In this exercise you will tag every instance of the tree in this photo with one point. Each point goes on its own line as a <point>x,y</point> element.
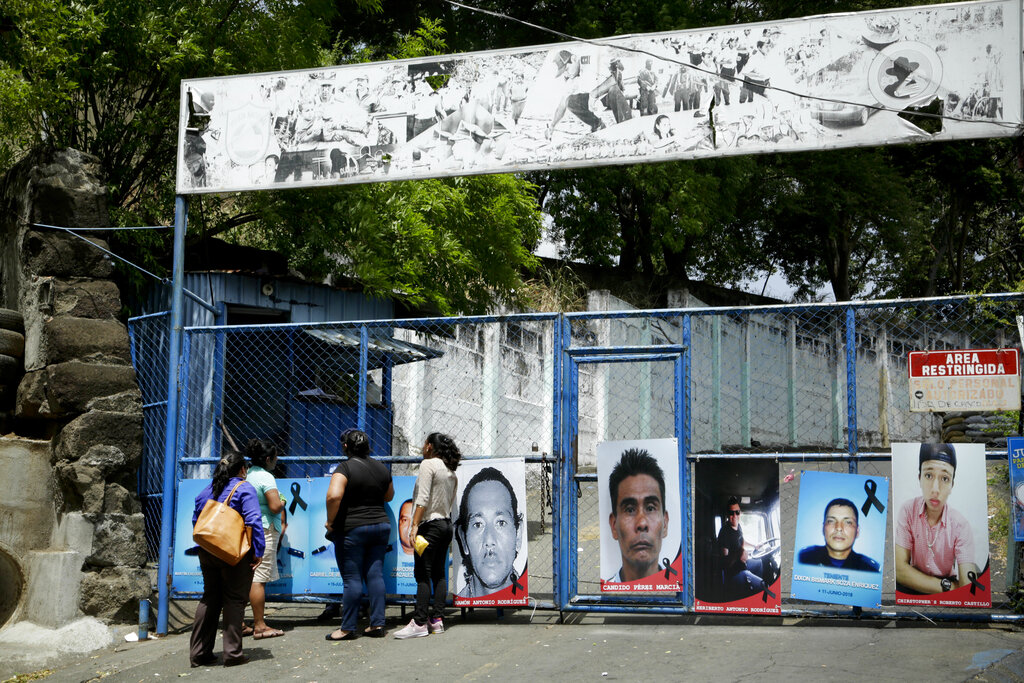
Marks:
<point>653,219</point>
<point>830,217</point>
<point>104,76</point>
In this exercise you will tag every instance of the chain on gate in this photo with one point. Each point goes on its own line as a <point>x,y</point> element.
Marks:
<point>545,492</point>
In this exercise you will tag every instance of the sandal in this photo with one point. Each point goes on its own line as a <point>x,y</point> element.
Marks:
<point>268,633</point>
<point>349,635</point>
<point>247,631</point>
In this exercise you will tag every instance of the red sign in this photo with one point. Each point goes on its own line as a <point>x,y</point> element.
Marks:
<point>968,379</point>
<point>965,363</point>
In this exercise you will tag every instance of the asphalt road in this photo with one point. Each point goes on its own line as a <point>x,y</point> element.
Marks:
<point>525,646</point>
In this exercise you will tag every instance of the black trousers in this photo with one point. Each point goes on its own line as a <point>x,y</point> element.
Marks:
<point>431,571</point>
<point>225,588</point>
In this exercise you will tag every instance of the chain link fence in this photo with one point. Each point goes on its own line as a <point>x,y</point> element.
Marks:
<point>150,349</point>
<point>815,387</point>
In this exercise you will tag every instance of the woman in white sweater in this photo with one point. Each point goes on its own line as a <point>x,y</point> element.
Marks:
<point>432,496</point>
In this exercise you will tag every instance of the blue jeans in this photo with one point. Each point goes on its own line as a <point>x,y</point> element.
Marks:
<point>360,557</point>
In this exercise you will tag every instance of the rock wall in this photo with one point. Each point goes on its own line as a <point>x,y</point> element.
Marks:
<point>78,391</point>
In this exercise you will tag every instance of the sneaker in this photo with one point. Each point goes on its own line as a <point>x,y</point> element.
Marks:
<point>436,625</point>
<point>413,630</point>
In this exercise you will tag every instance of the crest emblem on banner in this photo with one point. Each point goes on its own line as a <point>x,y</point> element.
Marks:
<point>247,134</point>
<point>905,74</point>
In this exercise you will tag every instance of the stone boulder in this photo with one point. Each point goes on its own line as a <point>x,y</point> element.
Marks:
<point>118,541</point>
<point>31,400</point>
<point>81,486</point>
<point>129,401</point>
<point>113,593</point>
<point>65,338</point>
<point>100,427</point>
<point>72,385</point>
<point>56,253</point>
<point>76,297</point>
<point>117,500</point>
<point>67,189</point>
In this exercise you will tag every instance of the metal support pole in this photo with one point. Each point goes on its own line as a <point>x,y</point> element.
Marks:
<point>851,386</point>
<point>163,577</point>
<point>364,365</point>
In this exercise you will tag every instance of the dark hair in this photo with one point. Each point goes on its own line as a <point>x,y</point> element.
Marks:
<point>445,448</point>
<point>486,474</point>
<point>733,500</point>
<point>943,452</point>
<point>259,452</point>
<point>657,121</point>
<point>229,466</point>
<point>635,461</point>
<point>355,443</point>
<point>842,502</point>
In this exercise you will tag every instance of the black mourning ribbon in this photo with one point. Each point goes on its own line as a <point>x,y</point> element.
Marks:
<point>975,584</point>
<point>516,586</point>
<point>669,569</point>
<point>766,593</point>
<point>872,500</point>
<point>296,498</point>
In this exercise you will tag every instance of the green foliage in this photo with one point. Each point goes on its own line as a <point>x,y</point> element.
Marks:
<point>104,76</point>
<point>455,244</point>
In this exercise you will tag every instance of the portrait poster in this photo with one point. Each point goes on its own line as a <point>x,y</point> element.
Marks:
<point>737,529</point>
<point>1015,451</point>
<point>293,554</point>
<point>811,83</point>
<point>490,553</point>
<point>940,525</point>
<point>398,563</point>
<point>840,538</point>
<point>324,577</point>
<point>641,531</point>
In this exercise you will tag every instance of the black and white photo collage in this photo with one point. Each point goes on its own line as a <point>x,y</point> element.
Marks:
<point>815,83</point>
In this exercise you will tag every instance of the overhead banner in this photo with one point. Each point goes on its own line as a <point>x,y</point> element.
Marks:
<point>972,379</point>
<point>803,84</point>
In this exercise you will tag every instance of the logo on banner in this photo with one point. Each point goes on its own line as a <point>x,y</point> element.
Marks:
<point>905,74</point>
<point>247,134</point>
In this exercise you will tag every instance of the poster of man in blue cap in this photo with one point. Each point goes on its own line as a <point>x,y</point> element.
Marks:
<point>940,525</point>
<point>840,538</point>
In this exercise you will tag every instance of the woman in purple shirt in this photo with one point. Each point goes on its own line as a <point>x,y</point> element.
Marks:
<point>226,587</point>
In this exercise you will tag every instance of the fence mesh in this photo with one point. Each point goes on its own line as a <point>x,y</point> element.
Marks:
<point>149,339</point>
<point>817,386</point>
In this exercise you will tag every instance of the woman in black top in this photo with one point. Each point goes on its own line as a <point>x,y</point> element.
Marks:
<point>357,522</point>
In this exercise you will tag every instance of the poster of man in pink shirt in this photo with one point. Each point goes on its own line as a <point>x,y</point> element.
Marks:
<point>940,528</point>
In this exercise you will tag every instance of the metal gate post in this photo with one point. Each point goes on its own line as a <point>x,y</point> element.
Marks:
<point>567,434</point>
<point>163,576</point>
<point>851,386</point>
<point>557,353</point>
<point>364,364</point>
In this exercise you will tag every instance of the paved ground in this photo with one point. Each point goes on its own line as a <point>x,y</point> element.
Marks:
<point>586,647</point>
